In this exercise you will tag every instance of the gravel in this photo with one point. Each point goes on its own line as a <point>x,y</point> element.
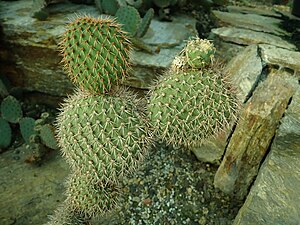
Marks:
<point>173,187</point>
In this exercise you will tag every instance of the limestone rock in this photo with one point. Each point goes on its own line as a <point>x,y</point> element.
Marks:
<point>243,36</point>
<point>31,58</point>
<point>275,196</point>
<point>253,10</point>
<point>290,123</point>
<point>253,134</point>
<point>282,57</point>
<point>245,70</point>
<point>251,21</point>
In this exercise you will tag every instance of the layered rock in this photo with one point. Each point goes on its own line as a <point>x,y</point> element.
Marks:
<point>274,197</point>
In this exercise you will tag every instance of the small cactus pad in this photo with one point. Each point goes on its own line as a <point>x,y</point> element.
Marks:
<point>145,23</point>
<point>199,53</point>
<point>27,128</point>
<point>47,134</point>
<point>104,135</point>
<point>87,198</point>
<point>11,109</point>
<point>130,18</point>
<point>95,53</point>
<point>186,108</point>
<point>5,131</point>
<point>110,7</point>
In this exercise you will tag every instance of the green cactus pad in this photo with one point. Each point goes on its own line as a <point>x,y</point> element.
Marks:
<point>103,135</point>
<point>11,109</point>
<point>110,7</point>
<point>199,53</point>
<point>5,131</point>
<point>27,128</point>
<point>130,18</point>
<point>187,108</point>
<point>47,134</point>
<point>95,53</point>
<point>87,198</point>
<point>145,23</point>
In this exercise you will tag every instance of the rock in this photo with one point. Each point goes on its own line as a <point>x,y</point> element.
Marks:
<point>211,151</point>
<point>245,71</point>
<point>30,193</point>
<point>275,196</point>
<point>282,57</point>
<point>250,21</point>
<point>247,37</point>
<point>290,123</point>
<point>253,10</point>
<point>253,134</point>
<point>30,55</point>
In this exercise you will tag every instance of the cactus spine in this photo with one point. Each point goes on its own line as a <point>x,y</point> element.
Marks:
<point>191,103</point>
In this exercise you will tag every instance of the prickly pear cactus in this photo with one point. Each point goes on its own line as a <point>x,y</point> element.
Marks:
<point>86,197</point>
<point>130,18</point>
<point>6,133</point>
<point>186,108</point>
<point>11,109</point>
<point>194,101</point>
<point>110,7</point>
<point>102,135</point>
<point>145,23</point>
<point>47,135</point>
<point>95,53</point>
<point>199,53</point>
<point>27,128</point>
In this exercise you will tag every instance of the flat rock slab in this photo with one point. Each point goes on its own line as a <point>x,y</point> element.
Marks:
<point>245,71</point>
<point>281,57</point>
<point>275,196</point>
<point>246,37</point>
<point>253,134</point>
<point>250,21</point>
<point>32,46</point>
<point>252,10</point>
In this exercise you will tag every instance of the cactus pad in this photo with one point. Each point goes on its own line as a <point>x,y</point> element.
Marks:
<point>87,198</point>
<point>103,135</point>
<point>145,23</point>
<point>47,135</point>
<point>199,53</point>
<point>27,128</point>
<point>5,131</point>
<point>130,18</point>
<point>186,108</point>
<point>11,109</point>
<point>95,53</point>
